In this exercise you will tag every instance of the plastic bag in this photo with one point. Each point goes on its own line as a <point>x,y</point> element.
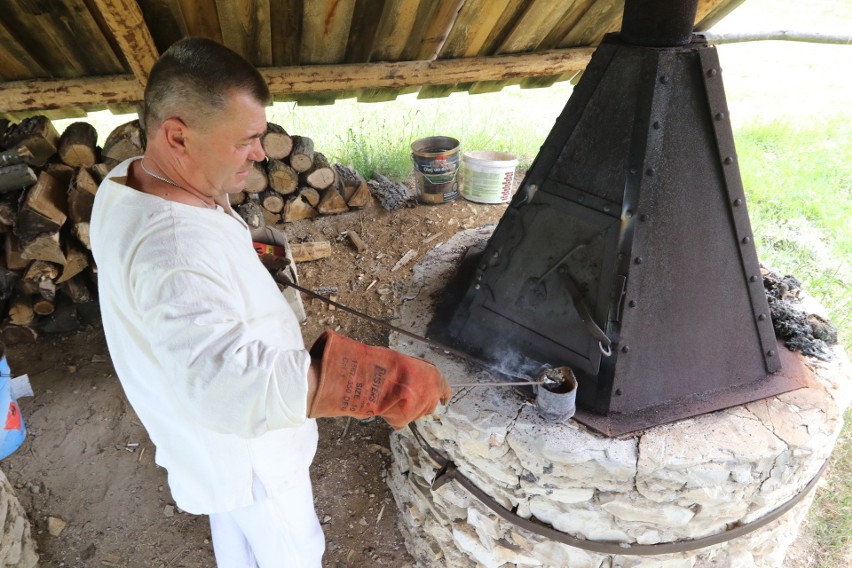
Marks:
<point>13,433</point>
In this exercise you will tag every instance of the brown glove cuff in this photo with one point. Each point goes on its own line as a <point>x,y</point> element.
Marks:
<point>348,384</point>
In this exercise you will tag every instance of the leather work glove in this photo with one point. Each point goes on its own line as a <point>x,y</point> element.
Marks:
<point>358,380</point>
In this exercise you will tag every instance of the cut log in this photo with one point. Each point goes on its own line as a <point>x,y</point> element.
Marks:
<point>270,219</point>
<point>18,335</point>
<point>76,261</point>
<point>361,198</point>
<point>276,142</point>
<point>81,195</point>
<point>81,231</point>
<point>40,277</point>
<point>77,289</point>
<point>16,177</point>
<point>302,156</point>
<point>43,306</point>
<point>332,200</point>
<point>8,279</point>
<point>282,178</point>
<point>64,319</point>
<point>37,134</point>
<point>99,172</point>
<point>44,246</point>
<point>14,260</point>
<point>43,209</point>
<point>237,198</point>
<point>21,309</point>
<point>297,209</point>
<point>320,175</point>
<point>351,179</point>
<point>9,208</point>
<point>272,201</point>
<point>63,174</point>
<point>19,155</point>
<point>310,195</point>
<point>125,141</point>
<point>304,252</point>
<point>256,180</point>
<point>78,145</point>
<point>252,213</point>
<point>391,195</point>
<point>357,241</point>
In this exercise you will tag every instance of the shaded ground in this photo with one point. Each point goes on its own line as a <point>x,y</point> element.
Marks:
<point>88,461</point>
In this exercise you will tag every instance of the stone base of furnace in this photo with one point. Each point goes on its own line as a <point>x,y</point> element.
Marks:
<point>677,482</point>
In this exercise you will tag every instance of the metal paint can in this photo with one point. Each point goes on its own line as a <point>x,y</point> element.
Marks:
<point>557,402</point>
<point>436,168</point>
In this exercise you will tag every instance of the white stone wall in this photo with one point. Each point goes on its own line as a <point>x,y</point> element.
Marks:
<point>681,481</point>
<point>17,547</point>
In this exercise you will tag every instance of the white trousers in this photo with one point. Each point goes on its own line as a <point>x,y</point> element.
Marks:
<point>273,533</point>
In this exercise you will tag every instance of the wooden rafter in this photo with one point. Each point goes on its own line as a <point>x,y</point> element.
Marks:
<point>44,94</point>
<point>125,21</point>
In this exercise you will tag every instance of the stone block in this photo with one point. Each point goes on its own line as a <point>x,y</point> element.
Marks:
<point>638,510</point>
<point>590,523</point>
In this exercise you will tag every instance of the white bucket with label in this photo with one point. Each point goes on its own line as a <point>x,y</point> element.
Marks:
<point>488,176</point>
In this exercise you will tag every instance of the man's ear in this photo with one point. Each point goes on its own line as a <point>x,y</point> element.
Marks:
<point>174,132</point>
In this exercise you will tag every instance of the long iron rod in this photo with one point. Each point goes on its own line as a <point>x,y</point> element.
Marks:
<point>284,281</point>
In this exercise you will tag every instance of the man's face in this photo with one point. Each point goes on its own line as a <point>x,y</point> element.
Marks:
<point>222,154</point>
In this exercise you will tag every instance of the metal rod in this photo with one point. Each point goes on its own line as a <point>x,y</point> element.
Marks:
<point>500,384</point>
<point>284,281</point>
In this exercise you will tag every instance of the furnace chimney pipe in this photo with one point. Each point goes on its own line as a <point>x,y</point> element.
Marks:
<point>658,23</point>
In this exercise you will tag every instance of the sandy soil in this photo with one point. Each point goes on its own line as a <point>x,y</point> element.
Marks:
<point>88,461</point>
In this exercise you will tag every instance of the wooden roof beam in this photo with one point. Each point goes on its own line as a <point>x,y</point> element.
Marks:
<point>46,94</point>
<point>127,25</point>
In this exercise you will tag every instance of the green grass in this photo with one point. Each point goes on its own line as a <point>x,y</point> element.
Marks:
<point>831,512</point>
<point>798,182</point>
<point>378,136</point>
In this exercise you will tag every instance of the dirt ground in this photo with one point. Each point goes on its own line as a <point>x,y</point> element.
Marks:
<point>88,461</point>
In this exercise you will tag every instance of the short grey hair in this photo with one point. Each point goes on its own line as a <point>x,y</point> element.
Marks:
<point>192,80</point>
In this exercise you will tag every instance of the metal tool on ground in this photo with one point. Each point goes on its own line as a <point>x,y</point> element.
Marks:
<point>528,381</point>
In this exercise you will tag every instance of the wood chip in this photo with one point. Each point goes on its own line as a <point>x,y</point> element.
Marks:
<point>357,241</point>
<point>406,258</point>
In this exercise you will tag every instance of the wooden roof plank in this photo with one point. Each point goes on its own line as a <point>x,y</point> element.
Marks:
<point>711,11</point>
<point>366,18</point>
<point>165,21</point>
<point>395,27</point>
<point>475,21</point>
<point>602,17</point>
<point>246,29</point>
<point>45,50</point>
<point>539,17</point>
<point>15,62</point>
<point>201,18</point>
<point>325,30</point>
<point>511,14</point>
<point>553,40</point>
<point>85,41</point>
<point>286,23</point>
<point>432,26</point>
<point>125,21</point>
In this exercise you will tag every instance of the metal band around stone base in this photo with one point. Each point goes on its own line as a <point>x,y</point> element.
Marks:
<point>448,472</point>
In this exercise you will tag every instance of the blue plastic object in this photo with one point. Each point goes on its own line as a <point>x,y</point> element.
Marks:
<point>13,433</point>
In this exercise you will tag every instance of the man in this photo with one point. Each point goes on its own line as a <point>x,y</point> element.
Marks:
<point>209,353</point>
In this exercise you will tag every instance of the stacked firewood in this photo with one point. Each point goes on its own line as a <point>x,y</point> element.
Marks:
<point>296,182</point>
<point>48,278</point>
